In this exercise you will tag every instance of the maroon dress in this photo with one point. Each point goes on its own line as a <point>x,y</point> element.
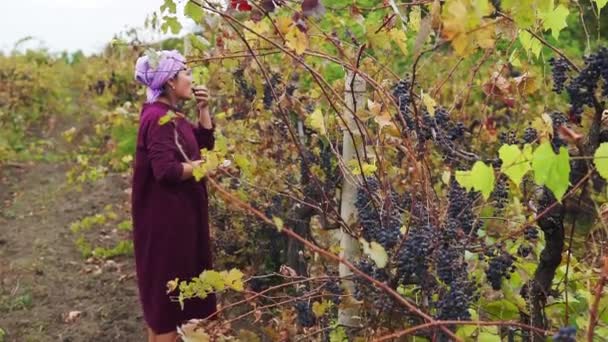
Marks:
<point>170,217</point>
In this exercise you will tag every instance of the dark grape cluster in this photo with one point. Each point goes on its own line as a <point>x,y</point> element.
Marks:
<point>530,135</point>
<point>448,261</point>
<point>268,86</point>
<point>565,334</point>
<point>460,207</point>
<point>413,257</point>
<point>559,70</point>
<point>332,286</point>
<point>401,92</point>
<point>531,233</point>
<point>306,318</point>
<point>380,223</point>
<point>524,250</point>
<point>558,120</point>
<point>499,267</point>
<point>364,290</point>
<point>500,195</point>
<point>581,89</point>
<point>509,138</point>
<point>247,90</point>
<point>454,305</point>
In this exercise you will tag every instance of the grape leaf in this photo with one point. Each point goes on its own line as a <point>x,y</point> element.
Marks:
<point>171,23</point>
<point>375,251</point>
<point>552,170</point>
<point>199,75</point>
<point>368,169</point>
<point>168,5</point>
<point>166,118</point>
<point>515,163</point>
<point>319,308</point>
<point>600,159</point>
<point>480,178</point>
<point>194,11</point>
<point>521,12</point>
<point>601,3</point>
<point>555,20</point>
<point>278,222</point>
<point>338,335</point>
<point>296,40</point>
<point>315,121</point>
<point>233,279</point>
<point>429,103</point>
<point>529,43</point>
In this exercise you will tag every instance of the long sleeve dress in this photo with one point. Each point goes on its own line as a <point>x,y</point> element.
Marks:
<point>170,217</point>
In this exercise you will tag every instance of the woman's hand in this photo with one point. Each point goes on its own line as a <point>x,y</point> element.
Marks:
<point>189,167</point>
<point>201,94</point>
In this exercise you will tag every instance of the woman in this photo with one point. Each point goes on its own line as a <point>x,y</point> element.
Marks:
<point>169,208</point>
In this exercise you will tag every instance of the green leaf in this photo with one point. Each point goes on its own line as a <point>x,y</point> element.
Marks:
<point>480,178</point>
<point>193,11</point>
<point>171,23</point>
<point>600,159</point>
<point>367,169</point>
<point>166,118</point>
<point>488,337</point>
<point>338,335</point>
<point>555,20</point>
<point>168,5</point>
<point>375,251</point>
<point>199,42</point>
<point>521,12</point>
<point>515,163</point>
<point>233,279</point>
<point>333,72</point>
<point>552,170</point>
<point>200,75</point>
<point>466,331</point>
<point>600,4</point>
<point>529,43</point>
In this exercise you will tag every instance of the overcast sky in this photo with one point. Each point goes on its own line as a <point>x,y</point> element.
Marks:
<point>70,24</point>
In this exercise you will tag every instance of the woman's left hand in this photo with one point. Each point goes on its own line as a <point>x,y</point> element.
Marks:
<point>201,94</point>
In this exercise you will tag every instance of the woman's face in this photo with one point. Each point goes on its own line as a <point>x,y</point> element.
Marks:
<point>181,85</point>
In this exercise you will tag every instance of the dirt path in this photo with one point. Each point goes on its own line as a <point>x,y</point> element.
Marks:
<point>43,276</point>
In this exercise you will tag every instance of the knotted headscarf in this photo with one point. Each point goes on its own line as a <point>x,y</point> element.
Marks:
<point>170,62</point>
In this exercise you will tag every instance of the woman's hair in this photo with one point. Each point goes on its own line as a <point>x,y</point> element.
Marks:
<point>156,72</point>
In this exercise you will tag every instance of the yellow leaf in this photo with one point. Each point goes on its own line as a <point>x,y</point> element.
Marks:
<point>296,40</point>
<point>315,121</point>
<point>261,28</point>
<point>484,37</point>
<point>192,332</point>
<point>278,222</point>
<point>319,308</point>
<point>283,24</point>
<point>429,103</point>
<point>68,135</point>
<point>415,18</point>
<point>375,251</point>
<point>234,279</point>
<point>374,107</point>
<point>172,285</point>
<point>368,169</point>
<point>398,36</point>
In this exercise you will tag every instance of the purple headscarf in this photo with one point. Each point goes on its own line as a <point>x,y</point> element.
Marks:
<point>170,62</point>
